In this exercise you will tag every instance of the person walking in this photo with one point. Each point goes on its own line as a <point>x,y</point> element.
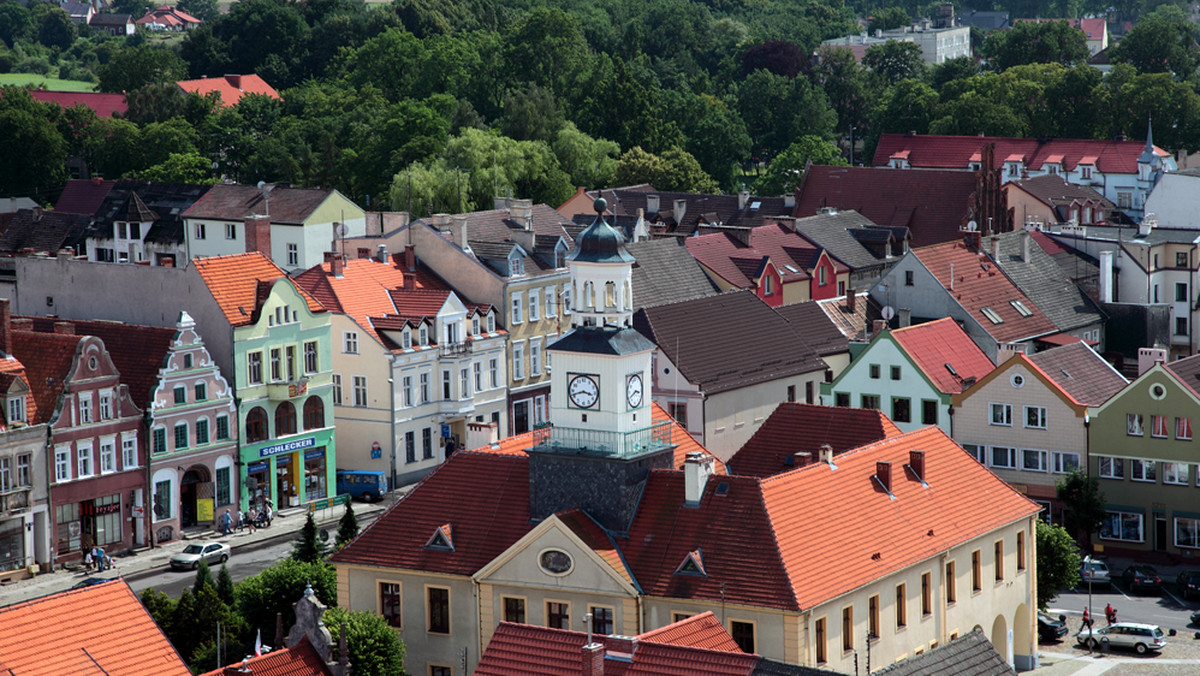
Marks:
<point>1110,614</point>
<point>1087,618</point>
<point>251,515</point>
<point>226,523</point>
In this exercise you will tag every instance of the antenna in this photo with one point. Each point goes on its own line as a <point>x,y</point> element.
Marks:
<point>266,188</point>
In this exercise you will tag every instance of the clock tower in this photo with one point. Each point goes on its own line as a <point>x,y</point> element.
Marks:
<point>602,440</point>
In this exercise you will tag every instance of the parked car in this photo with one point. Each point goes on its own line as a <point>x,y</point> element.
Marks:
<point>1051,629</point>
<point>1140,637</point>
<point>1140,577</point>
<point>1189,584</point>
<point>1094,571</point>
<point>212,552</point>
<point>1196,617</point>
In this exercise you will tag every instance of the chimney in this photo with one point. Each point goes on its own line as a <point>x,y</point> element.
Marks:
<point>335,263</point>
<point>593,659</point>
<point>521,213</point>
<point>1148,357</point>
<point>883,474</point>
<point>801,458</point>
<point>743,198</point>
<point>652,204</point>
<point>1147,225</point>
<point>680,210</point>
<point>827,454</point>
<point>64,328</point>
<point>441,221</point>
<point>789,200</point>
<point>696,470</point>
<point>1106,276</point>
<point>851,301</point>
<point>878,327</point>
<point>381,254</point>
<point>916,462</point>
<point>37,214</point>
<point>410,281</point>
<point>1026,238</point>
<point>5,327</point>
<point>996,249</point>
<point>234,80</point>
<point>621,647</point>
<point>258,234</point>
<point>66,253</point>
<point>905,317</point>
<point>460,231</point>
<point>410,257</point>
<point>22,324</point>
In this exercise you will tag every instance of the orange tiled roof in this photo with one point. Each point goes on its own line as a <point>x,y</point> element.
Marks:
<point>299,660</point>
<point>231,87</point>
<point>47,358</point>
<point>698,631</point>
<point>934,344</point>
<point>721,253</point>
<point>102,629</point>
<point>595,537</point>
<point>975,282</point>
<point>233,282</point>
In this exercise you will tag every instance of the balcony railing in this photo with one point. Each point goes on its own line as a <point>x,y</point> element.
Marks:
<point>457,349</point>
<point>15,500</point>
<point>603,442</point>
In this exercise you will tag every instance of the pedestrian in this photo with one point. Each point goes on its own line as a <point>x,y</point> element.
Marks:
<point>251,515</point>
<point>1087,619</point>
<point>87,561</point>
<point>226,523</point>
<point>99,556</point>
<point>1110,615</point>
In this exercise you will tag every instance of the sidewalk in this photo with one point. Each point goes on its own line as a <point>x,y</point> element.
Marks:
<point>142,560</point>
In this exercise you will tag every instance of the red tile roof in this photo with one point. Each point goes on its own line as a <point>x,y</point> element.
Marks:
<point>935,344</point>
<point>301,659</point>
<point>932,204</point>
<point>595,537</point>
<point>975,283</point>
<point>964,500</point>
<point>47,359</point>
<point>722,253</point>
<point>170,17</point>
<point>930,151</point>
<point>698,631</point>
<point>233,281</point>
<point>528,650</point>
<point>83,197</point>
<point>99,629</point>
<point>1048,244</point>
<point>104,105</point>
<point>794,427</point>
<point>231,87</point>
<point>11,368</point>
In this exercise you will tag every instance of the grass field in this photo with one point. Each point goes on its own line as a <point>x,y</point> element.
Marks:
<point>51,83</point>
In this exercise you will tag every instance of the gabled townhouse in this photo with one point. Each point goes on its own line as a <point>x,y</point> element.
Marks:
<point>867,249</point>
<point>294,226</point>
<point>1050,199</point>
<point>280,360</point>
<point>427,372</point>
<point>1028,421</point>
<point>721,395</point>
<point>911,373</point>
<point>795,434</point>
<point>1124,171</point>
<point>780,265</point>
<point>817,330</point>
<point>140,222</point>
<point>1141,447</point>
<point>960,281</point>
<point>118,25</point>
<point>230,88</point>
<point>933,205</point>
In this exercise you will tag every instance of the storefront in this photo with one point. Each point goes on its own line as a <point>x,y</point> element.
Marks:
<point>289,473</point>
<point>86,524</point>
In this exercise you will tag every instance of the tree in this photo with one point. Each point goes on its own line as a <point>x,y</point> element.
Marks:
<point>1162,42</point>
<point>347,527</point>
<point>894,61</point>
<point>114,148</point>
<point>55,29</point>
<point>225,586</point>
<point>776,110</point>
<point>531,114</point>
<point>1057,562</point>
<point>203,577</point>
<point>27,133</point>
<point>1084,504</point>
<point>129,69</point>
<point>951,70</point>
<point>787,168</point>
<point>308,548</point>
<point>887,18</point>
<point>909,105</point>
<point>159,606</point>
<point>16,23</point>
<point>781,57</point>
<point>189,167</point>
<point>590,162</point>
<point>674,170</point>
<point>205,10</point>
<point>374,646</point>
<point>1036,42</point>
<point>845,84</point>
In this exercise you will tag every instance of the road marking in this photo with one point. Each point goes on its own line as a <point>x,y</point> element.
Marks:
<point>1175,599</point>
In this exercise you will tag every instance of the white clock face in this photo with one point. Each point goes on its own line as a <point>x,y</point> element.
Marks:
<point>633,390</point>
<point>584,391</point>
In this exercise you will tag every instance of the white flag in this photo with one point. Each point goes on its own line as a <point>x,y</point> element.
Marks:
<point>258,644</point>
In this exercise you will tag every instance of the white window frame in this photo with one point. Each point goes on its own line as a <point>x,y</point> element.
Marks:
<point>62,462</point>
<point>1175,473</point>
<point>1111,468</point>
<point>108,455</point>
<point>1135,425</point>
<point>551,310</point>
<point>977,451</point>
<point>16,409</point>
<point>406,389</point>
<point>106,405</point>
<point>535,357</point>
<point>494,373</point>
<point>1041,460</point>
<point>1058,463</point>
<point>336,381</point>
<point>518,360</point>
<point>1005,411</point>
<point>350,342</point>
<point>423,389</point>
<point>515,317</point>
<point>535,305</point>
<point>230,231</point>
<point>1145,471</point>
<point>1038,413</point>
<point>85,408</point>
<point>293,255</point>
<point>1011,454</point>
<point>359,384</point>
<point>84,462</point>
<point>477,371</point>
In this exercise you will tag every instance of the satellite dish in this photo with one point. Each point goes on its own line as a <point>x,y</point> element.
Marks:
<point>341,229</point>
<point>887,313</point>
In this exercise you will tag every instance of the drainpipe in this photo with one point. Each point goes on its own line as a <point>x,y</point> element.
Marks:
<point>392,417</point>
<point>148,498</point>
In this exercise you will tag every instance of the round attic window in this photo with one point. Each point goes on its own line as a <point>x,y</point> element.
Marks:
<point>1017,380</point>
<point>555,561</point>
<point>1157,391</point>
<point>93,363</point>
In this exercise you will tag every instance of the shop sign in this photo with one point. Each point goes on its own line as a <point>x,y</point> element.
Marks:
<point>315,455</point>
<point>256,467</point>
<point>286,447</point>
<point>376,451</point>
<point>445,431</point>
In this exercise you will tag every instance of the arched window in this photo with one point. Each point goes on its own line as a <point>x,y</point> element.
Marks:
<point>285,419</point>
<point>610,295</point>
<point>314,413</point>
<point>256,425</point>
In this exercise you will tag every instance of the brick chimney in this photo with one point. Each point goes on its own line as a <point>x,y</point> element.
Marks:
<point>5,327</point>
<point>916,462</point>
<point>234,80</point>
<point>335,264</point>
<point>258,234</point>
<point>883,474</point>
<point>826,456</point>
<point>851,301</point>
<point>410,257</point>
<point>593,659</point>
<point>410,281</point>
<point>64,328</point>
<point>696,470</point>
<point>878,327</point>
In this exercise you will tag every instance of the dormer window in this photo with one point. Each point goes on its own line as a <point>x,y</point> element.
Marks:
<point>442,539</point>
<point>475,325</point>
<point>692,564</point>
<point>516,264</point>
<point>491,324</point>
<point>406,338</point>
<point>560,254</point>
<point>16,410</point>
<point>423,336</point>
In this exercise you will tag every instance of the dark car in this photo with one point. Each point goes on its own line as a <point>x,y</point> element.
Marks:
<point>1140,577</point>
<point>1189,584</point>
<point>1050,629</point>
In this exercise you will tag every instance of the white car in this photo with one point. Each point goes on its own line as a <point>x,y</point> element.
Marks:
<point>1140,637</point>
<point>1095,572</point>
<point>212,552</point>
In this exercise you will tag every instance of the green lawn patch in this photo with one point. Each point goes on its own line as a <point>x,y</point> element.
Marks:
<point>43,82</point>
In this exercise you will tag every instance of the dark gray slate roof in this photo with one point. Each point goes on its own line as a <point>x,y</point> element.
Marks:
<point>167,201</point>
<point>831,232</point>
<point>1081,372</point>
<point>665,272</point>
<point>813,325</point>
<point>602,341</point>
<point>1045,283</point>
<point>969,655</point>
<point>44,232</point>
<point>768,667</point>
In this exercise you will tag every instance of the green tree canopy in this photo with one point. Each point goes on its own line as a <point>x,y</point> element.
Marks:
<point>590,162</point>
<point>1057,562</point>
<point>131,68</point>
<point>375,648</point>
<point>27,132</point>
<point>887,18</point>
<point>674,170</point>
<point>1162,42</point>
<point>203,577</point>
<point>347,527</point>
<point>783,175</point>
<point>189,167</point>
<point>275,589</point>
<point>1084,504</point>
<point>308,547</point>
<point>894,61</point>
<point>1036,42</point>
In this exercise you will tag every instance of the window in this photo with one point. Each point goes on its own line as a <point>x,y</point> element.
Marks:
<point>1121,526</point>
<point>602,620</point>
<point>1112,468</point>
<point>976,571</point>
<point>870,401</point>
<point>535,358</point>
<point>491,323</point>
<point>518,366</point>
<point>901,606</point>
<point>181,436</point>
<point>820,641</point>
<point>743,635</point>
<point>314,413</point>
<point>200,230</point>
<point>464,383</point>
<point>1003,457</point>
<point>514,609</point>
<point>1020,551</point>
<point>477,370</point>
<point>24,477</point>
<point>276,365</point>
<point>1183,428</point>
<point>293,255</point>
<point>159,441</point>
<point>84,457</point>
<point>1033,460</point>
<point>350,342</point>
<point>992,315</point>
<point>390,603</point>
<point>951,583</point>
<point>908,278</point>
<point>62,463</point>
<point>1001,414</point>
<point>446,384</point>
<point>550,309</point>
<point>768,285</point>
<point>201,391</point>
<point>895,372</point>
<point>162,500</point>
<point>427,443</point>
<point>977,451</point>
<point>254,368</point>
<point>873,617</point>
<point>558,615</point>
<point>108,456</point>
<point>1021,308</point>
<point>180,394</point>
<point>423,336</point>
<point>998,558</point>
<point>85,407</point>
<point>187,361</point>
<point>1085,172</point>
<point>841,399</point>
<point>230,231</point>
<point>337,389</point>
<point>929,412</point>
<point>406,338</point>
<point>439,610</point>
<point>1143,470</point>
<point>256,424</point>
<point>926,594</point>
<point>1064,462</point>
<point>360,391</point>
<point>1175,473</point>
<point>224,488</point>
<point>901,409</point>
<point>202,431</point>
<point>678,411</point>
<point>847,628</point>
<point>1181,290</point>
<point>410,446</point>
<point>310,357</point>
<point>285,419</point>
<point>516,309</point>
<point>424,382</point>
<point>874,371</point>
<point>16,409</point>
<point>106,410</point>
<point>1187,532</point>
<point>1158,426</point>
<point>1035,417</point>
<point>494,372</point>
<point>438,670</point>
<point>535,305</point>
